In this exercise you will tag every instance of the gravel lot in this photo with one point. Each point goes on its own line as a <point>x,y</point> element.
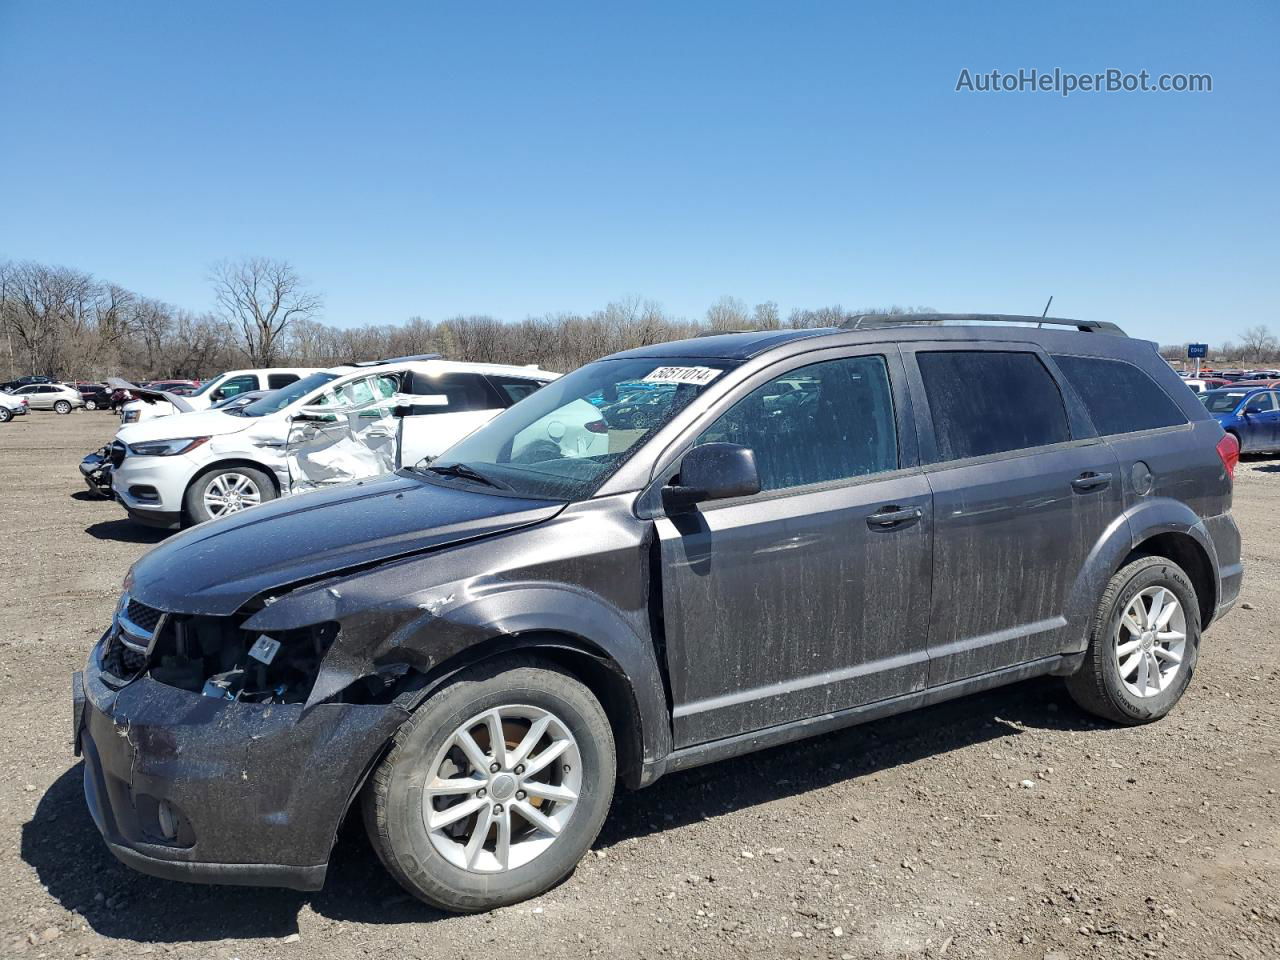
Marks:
<point>1003,825</point>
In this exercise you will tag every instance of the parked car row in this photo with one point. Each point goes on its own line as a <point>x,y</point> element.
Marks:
<point>670,556</point>
<point>169,467</point>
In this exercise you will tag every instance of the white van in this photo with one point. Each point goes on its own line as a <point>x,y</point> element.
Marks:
<point>332,426</point>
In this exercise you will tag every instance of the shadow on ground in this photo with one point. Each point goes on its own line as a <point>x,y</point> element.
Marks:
<point>61,843</point>
<point>125,531</point>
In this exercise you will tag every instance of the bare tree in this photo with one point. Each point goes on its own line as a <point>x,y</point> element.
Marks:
<point>259,297</point>
<point>766,316</point>
<point>728,313</point>
<point>1258,342</point>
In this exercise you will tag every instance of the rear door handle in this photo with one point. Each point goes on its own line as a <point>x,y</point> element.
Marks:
<point>1091,481</point>
<point>892,517</point>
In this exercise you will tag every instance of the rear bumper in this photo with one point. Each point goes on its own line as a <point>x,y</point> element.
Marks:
<point>193,788</point>
<point>1225,536</point>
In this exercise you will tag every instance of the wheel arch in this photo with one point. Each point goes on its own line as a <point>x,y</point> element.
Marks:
<point>585,660</point>
<point>1192,556</point>
<point>228,463</point>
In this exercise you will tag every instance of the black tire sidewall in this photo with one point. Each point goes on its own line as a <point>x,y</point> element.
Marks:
<point>1170,576</point>
<point>5,414</point>
<point>433,877</point>
<point>195,493</point>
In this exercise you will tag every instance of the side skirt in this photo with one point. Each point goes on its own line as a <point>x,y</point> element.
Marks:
<point>696,756</point>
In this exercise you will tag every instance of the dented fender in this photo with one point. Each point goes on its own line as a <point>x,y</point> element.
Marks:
<point>408,613</point>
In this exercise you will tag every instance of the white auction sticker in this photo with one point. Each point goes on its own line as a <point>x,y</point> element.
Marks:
<point>698,376</point>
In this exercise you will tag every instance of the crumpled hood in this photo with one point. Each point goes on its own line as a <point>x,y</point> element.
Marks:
<point>217,567</point>
<point>201,423</point>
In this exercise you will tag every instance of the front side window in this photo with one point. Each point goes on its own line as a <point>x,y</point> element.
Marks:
<point>238,385</point>
<point>569,437</point>
<point>822,423</point>
<point>1120,398</point>
<point>984,402</point>
<point>1263,402</point>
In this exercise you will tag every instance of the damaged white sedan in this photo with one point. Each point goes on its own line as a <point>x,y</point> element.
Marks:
<point>346,423</point>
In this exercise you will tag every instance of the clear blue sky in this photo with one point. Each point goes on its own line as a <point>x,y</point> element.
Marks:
<point>513,159</point>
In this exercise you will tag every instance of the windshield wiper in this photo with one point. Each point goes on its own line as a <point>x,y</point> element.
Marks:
<point>467,473</point>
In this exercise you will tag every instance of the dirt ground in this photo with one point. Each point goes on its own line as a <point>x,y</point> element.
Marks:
<point>1002,825</point>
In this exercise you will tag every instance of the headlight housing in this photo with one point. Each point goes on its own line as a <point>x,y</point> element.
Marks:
<point>166,448</point>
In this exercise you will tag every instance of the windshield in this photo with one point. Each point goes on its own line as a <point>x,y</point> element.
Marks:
<point>277,400</point>
<point>564,441</point>
<point>1224,401</point>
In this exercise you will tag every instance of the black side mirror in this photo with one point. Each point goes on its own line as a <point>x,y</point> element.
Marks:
<point>713,471</point>
<point>1252,411</point>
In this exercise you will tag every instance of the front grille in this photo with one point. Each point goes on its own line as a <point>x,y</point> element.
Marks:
<point>117,453</point>
<point>120,661</point>
<point>139,614</point>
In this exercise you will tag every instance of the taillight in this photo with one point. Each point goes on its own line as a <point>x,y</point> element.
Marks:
<point>598,426</point>
<point>1229,451</point>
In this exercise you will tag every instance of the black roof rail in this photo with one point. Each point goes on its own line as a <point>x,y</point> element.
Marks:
<point>870,321</point>
<point>409,359</point>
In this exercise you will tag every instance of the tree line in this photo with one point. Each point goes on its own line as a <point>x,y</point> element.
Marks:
<point>69,324</point>
<point>1255,345</point>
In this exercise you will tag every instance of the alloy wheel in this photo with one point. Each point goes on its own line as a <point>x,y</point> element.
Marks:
<point>230,492</point>
<point>502,788</point>
<point>1151,641</point>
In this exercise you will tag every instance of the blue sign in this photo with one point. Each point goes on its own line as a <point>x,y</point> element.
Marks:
<point>1197,350</point>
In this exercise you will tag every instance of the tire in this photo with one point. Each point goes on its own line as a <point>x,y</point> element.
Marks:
<point>91,404</point>
<point>5,414</point>
<point>253,485</point>
<point>434,866</point>
<point>62,407</point>
<point>1099,687</point>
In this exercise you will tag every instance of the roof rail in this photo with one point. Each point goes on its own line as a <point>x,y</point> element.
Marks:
<point>870,321</point>
<point>409,359</point>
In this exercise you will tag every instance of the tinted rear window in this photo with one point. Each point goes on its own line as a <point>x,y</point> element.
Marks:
<point>1120,398</point>
<point>985,402</point>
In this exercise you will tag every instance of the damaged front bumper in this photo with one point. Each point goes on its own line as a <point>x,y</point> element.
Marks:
<point>189,787</point>
<point>96,470</point>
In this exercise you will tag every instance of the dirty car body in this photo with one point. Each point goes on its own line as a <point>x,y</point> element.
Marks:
<point>259,666</point>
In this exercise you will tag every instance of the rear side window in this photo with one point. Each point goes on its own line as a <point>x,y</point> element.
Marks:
<point>452,393</point>
<point>986,402</point>
<point>1120,397</point>
<point>515,389</point>
<point>277,380</point>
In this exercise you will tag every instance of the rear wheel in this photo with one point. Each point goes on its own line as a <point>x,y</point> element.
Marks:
<point>494,788</point>
<point>63,407</point>
<point>91,404</point>
<point>1143,645</point>
<point>229,490</point>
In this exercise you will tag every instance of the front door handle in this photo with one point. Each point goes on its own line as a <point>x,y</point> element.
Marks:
<point>1090,480</point>
<point>893,517</point>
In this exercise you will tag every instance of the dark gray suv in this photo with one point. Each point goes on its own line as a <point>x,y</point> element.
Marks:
<point>670,556</point>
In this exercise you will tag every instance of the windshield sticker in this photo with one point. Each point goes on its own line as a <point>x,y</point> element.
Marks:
<point>698,376</point>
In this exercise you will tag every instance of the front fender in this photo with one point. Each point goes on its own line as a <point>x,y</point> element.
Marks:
<point>429,629</point>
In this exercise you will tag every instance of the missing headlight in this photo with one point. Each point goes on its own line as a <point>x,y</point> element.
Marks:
<point>215,656</point>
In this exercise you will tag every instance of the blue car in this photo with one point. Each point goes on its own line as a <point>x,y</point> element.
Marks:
<point>1251,415</point>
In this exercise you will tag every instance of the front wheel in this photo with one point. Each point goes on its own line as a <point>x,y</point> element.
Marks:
<point>494,788</point>
<point>63,407</point>
<point>1143,644</point>
<point>5,414</point>
<point>220,493</point>
<point>91,404</point>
